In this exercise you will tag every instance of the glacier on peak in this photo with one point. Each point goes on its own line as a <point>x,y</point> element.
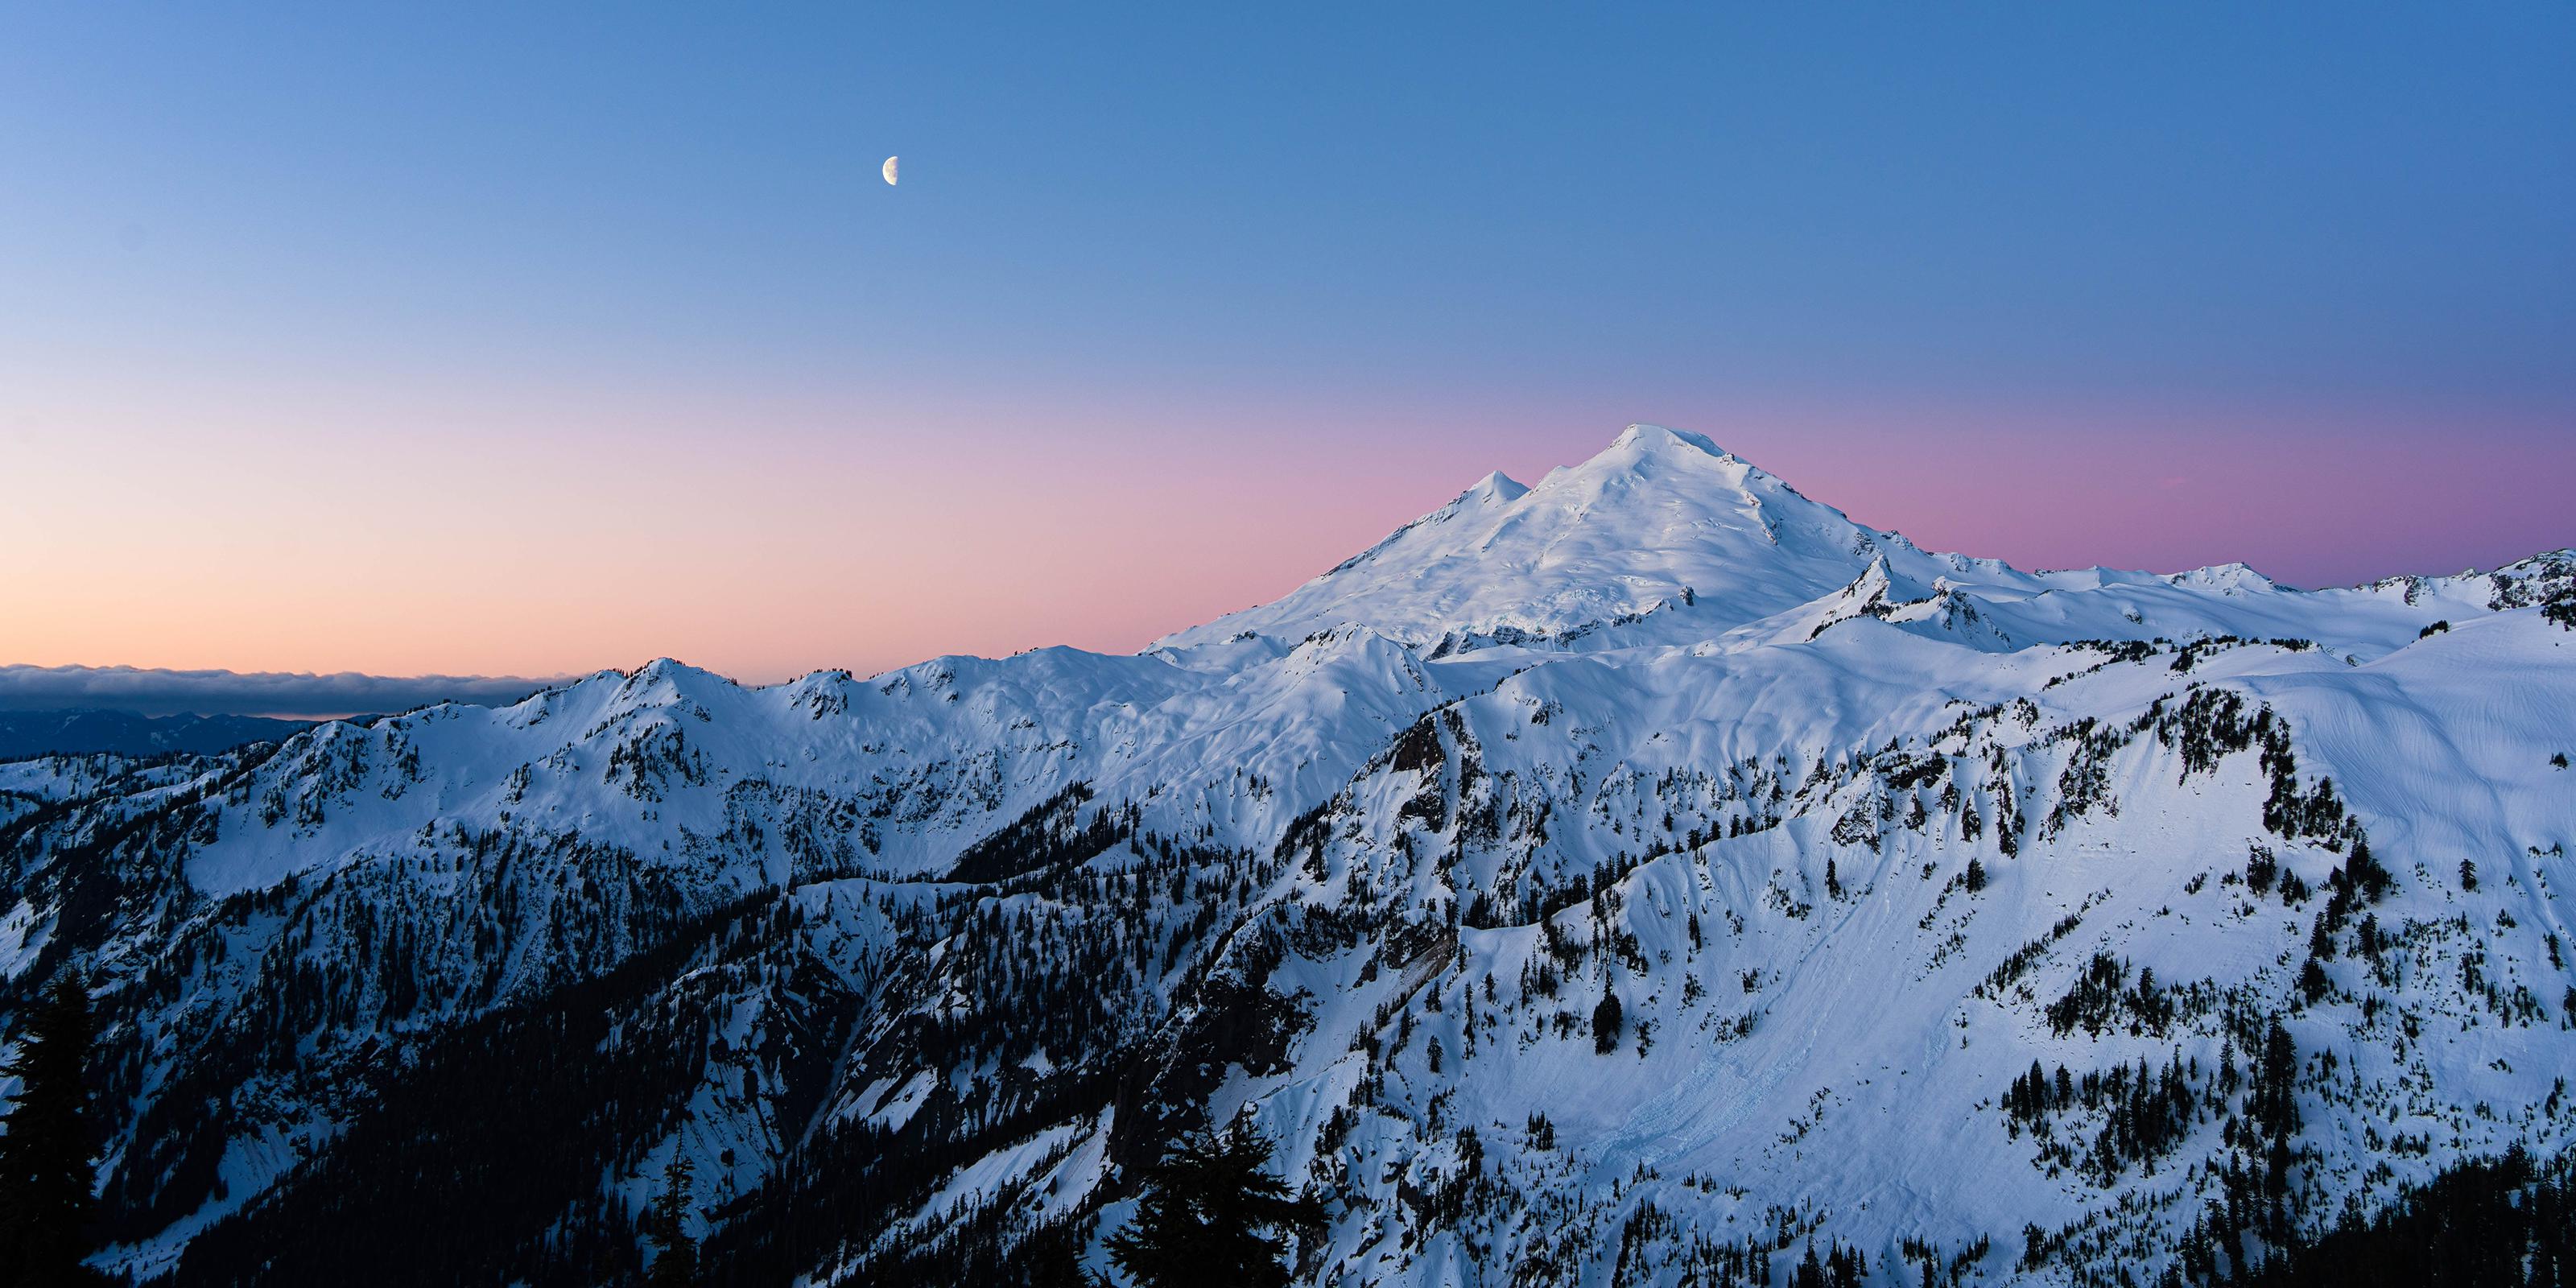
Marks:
<point>1663,524</point>
<point>1659,517</point>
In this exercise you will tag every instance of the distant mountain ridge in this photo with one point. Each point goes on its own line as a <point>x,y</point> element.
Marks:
<point>281,695</point>
<point>83,732</point>
<point>1647,877</point>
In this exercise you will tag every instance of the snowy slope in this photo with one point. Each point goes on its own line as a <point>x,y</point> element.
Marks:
<point>1855,833</point>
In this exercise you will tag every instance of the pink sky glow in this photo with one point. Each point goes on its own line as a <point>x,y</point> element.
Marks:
<point>768,537</point>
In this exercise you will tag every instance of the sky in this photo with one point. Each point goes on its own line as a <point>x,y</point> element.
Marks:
<point>531,340</point>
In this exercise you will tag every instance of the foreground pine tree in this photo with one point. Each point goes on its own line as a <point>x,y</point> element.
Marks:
<point>45,1159</point>
<point>675,1260</point>
<point>1203,1219</point>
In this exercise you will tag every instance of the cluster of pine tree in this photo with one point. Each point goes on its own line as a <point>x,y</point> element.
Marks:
<point>2146,1114</point>
<point>2561,610</point>
<point>2102,996</point>
<point>502,1127</point>
<point>2494,1223</point>
<point>1840,1267</point>
<point>2255,1207</point>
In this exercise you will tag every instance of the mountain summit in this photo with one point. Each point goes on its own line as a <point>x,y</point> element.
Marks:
<point>1660,519</point>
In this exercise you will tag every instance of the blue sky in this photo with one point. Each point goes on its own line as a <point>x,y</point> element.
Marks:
<point>1893,252</point>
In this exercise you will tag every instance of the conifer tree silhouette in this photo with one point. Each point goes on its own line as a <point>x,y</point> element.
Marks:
<point>1208,1206</point>
<point>46,1174</point>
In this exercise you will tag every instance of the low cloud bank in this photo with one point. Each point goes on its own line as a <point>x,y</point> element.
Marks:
<point>263,693</point>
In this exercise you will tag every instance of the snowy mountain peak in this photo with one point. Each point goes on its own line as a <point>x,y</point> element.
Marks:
<point>1654,451</point>
<point>1647,438</point>
<point>1496,488</point>
<point>664,681</point>
<point>2226,578</point>
<point>1666,539</point>
<point>1659,517</point>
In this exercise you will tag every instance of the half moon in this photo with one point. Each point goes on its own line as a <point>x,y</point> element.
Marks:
<point>889,169</point>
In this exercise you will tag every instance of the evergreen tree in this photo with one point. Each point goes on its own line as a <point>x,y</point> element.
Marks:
<point>2486,1223</point>
<point>1810,1272</point>
<point>2274,1101</point>
<point>1607,1021</point>
<point>675,1261</point>
<point>46,1179</point>
<point>1203,1218</point>
<point>1050,1258</point>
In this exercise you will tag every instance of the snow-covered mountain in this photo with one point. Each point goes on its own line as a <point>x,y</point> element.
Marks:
<point>1663,522</point>
<point>917,968</point>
